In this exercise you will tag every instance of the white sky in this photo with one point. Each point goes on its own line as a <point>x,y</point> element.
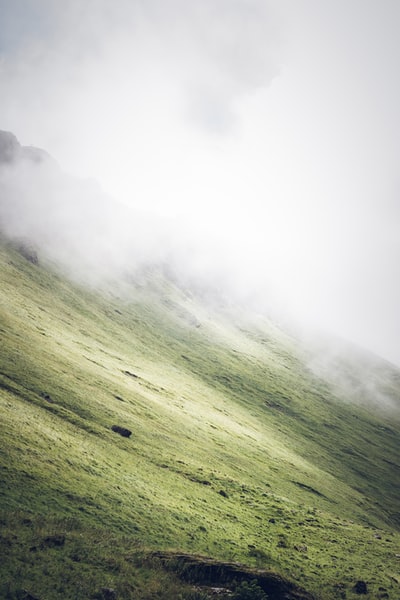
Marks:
<point>271,126</point>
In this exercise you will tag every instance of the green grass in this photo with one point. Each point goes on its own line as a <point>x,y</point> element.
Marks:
<point>238,450</point>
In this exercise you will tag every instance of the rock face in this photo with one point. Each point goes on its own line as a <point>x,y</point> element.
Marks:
<point>12,151</point>
<point>10,148</point>
<point>208,572</point>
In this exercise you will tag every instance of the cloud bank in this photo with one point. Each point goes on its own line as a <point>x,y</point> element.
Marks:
<point>265,134</point>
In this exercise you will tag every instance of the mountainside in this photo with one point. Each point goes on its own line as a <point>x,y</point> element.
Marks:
<point>237,451</point>
<point>155,444</point>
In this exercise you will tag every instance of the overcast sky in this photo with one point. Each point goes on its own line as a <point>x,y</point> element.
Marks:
<point>271,126</point>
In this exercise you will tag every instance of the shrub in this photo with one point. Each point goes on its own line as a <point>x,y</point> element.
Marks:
<point>249,590</point>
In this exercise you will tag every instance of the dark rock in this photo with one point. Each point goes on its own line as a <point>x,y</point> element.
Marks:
<point>122,431</point>
<point>360,587</point>
<point>223,493</point>
<point>47,397</point>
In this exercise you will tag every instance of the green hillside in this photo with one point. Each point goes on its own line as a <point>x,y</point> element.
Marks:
<point>238,451</point>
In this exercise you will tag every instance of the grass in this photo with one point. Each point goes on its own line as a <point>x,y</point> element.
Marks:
<point>238,450</point>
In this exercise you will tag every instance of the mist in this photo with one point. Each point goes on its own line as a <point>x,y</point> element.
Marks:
<point>254,143</point>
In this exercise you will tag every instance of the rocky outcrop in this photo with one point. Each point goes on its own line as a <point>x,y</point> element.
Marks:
<point>11,150</point>
<point>206,571</point>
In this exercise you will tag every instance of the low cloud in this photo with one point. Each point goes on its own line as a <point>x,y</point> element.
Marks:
<point>74,224</point>
<point>359,376</point>
<point>70,221</point>
<point>201,57</point>
<point>262,134</point>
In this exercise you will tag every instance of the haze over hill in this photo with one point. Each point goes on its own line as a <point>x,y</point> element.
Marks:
<point>148,407</point>
<point>265,133</point>
<point>218,183</point>
<point>155,443</point>
<point>72,223</point>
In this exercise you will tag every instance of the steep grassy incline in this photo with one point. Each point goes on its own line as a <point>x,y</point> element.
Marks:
<point>237,452</point>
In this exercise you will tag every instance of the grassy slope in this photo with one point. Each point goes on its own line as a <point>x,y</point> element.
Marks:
<point>230,431</point>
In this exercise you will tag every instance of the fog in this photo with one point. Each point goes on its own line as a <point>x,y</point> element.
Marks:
<point>258,141</point>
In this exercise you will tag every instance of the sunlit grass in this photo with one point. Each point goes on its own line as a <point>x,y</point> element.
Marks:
<point>237,451</point>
